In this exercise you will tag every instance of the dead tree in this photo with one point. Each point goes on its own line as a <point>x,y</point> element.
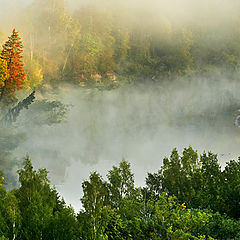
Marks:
<point>14,112</point>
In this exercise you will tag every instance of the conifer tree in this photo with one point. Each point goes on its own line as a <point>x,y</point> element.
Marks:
<point>12,54</point>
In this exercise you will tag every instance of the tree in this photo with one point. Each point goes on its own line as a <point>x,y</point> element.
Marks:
<point>49,32</point>
<point>63,223</point>
<point>193,180</point>
<point>12,54</point>
<point>109,226</point>
<point>121,183</point>
<point>12,215</point>
<point>172,221</point>
<point>222,227</point>
<point>94,200</point>
<point>34,74</point>
<point>9,212</point>
<point>210,191</point>
<point>36,201</point>
<point>231,189</point>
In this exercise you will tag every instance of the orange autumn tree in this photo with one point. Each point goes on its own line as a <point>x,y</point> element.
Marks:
<point>12,54</point>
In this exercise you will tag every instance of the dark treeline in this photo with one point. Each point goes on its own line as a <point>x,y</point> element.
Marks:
<point>190,197</point>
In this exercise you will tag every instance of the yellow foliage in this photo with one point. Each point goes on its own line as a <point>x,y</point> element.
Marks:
<point>183,206</point>
<point>1,181</point>
<point>188,41</point>
<point>34,74</point>
<point>4,73</point>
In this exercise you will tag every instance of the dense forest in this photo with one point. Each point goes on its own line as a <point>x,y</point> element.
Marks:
<point>101,79</point>
<point>106,44</point>
<point>189,197</point>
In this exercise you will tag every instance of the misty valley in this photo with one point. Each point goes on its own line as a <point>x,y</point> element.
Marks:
<point>119,120</point>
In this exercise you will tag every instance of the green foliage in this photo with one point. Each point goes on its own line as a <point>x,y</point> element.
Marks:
<point>198,181</point>
<point>10,219</point>
<point>62,224</point>
<point>42,214</point>
<point>115,209</point>
<point>231,189</point>
<point>36,200</point>
<point>176,222</point>
<point>3,238</point>
<point>222,227</point>
<point>121,183</point>
<point>94,200</point>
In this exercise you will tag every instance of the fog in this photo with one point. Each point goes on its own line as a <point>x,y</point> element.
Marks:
<point>211,13</point>
<point>141,123</point>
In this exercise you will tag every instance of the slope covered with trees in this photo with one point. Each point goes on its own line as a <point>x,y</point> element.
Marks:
<point>107,44</point>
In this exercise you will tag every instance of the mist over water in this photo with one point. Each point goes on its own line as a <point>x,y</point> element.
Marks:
<point>140,123</point>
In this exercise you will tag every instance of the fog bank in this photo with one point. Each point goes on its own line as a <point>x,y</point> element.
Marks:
<point>140,123</point>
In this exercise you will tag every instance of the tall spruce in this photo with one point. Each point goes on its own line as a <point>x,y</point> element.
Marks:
<point>12,54</point>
